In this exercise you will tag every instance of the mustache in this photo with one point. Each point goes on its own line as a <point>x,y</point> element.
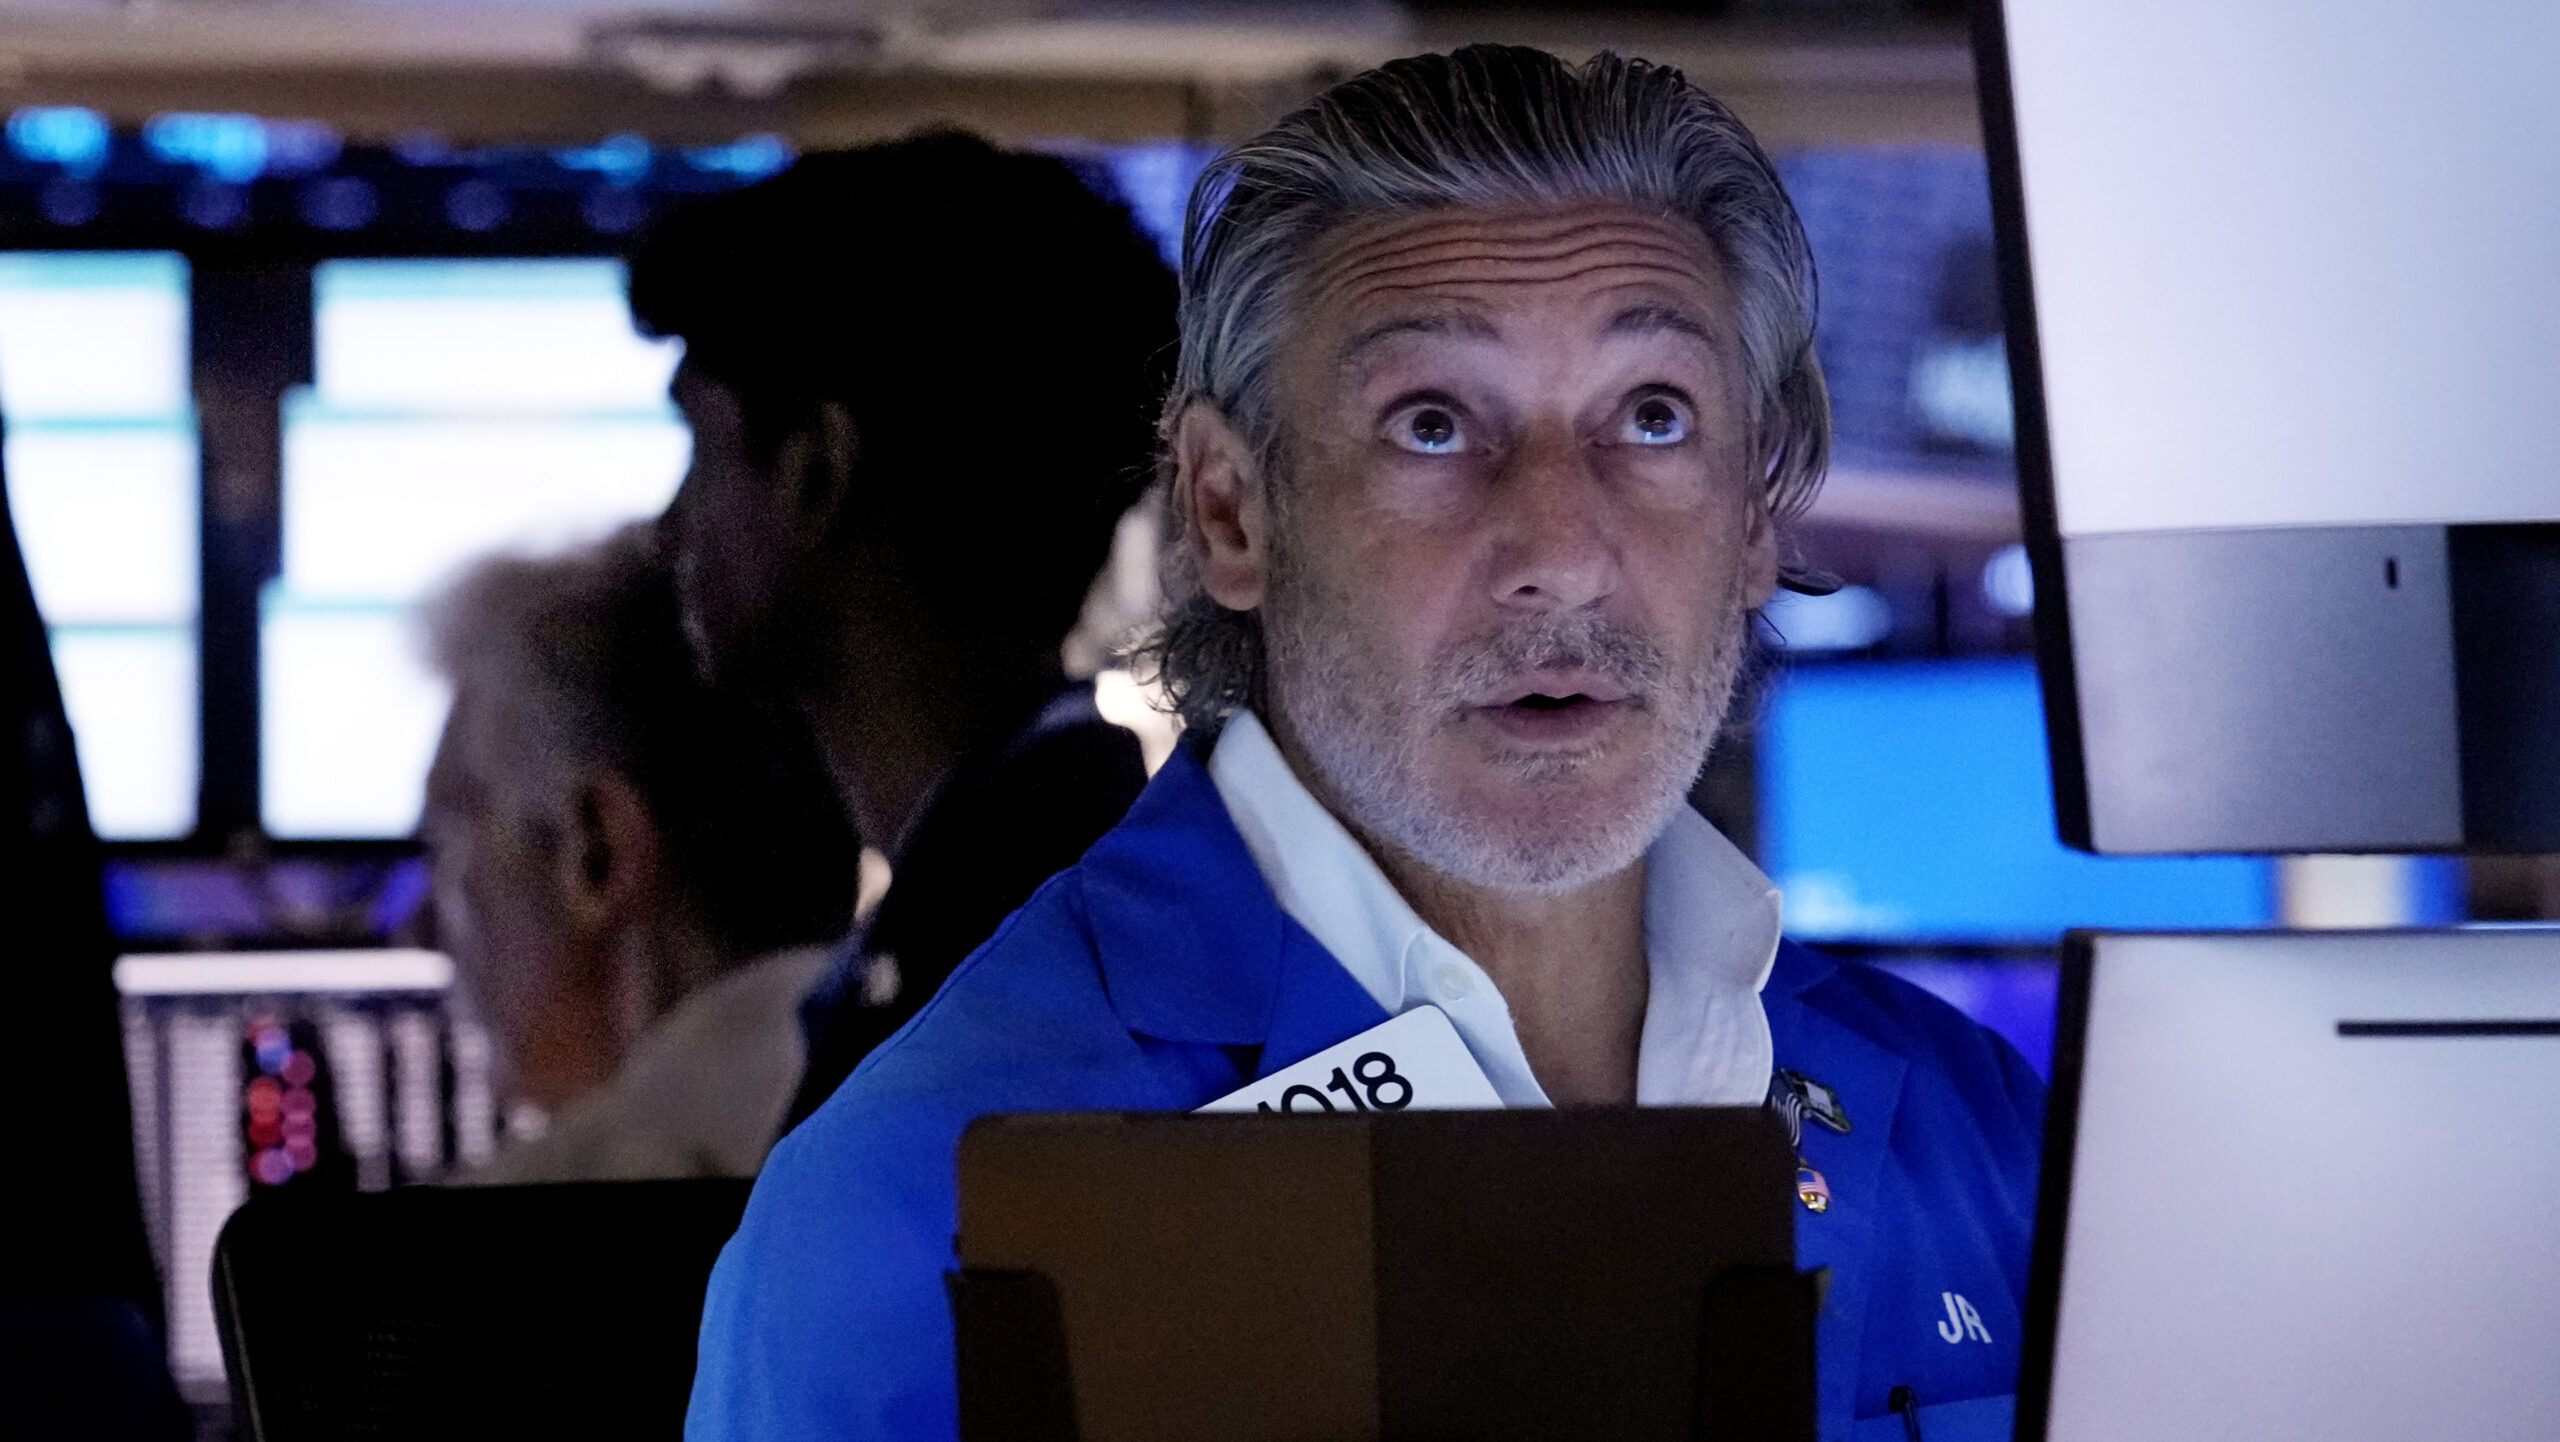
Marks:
<point>1573,641</point>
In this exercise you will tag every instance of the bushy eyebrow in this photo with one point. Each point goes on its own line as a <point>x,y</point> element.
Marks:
<point>1442,322</point>
<point>1660,319</point>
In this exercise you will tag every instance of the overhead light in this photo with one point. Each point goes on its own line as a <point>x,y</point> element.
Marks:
<point>1960,387</point>
<point>621,159</point>
<point>2008,582</point>
<point>752,158</point>
<point>228,148</point>
<point>746,58</point>
<point>1849,619</point>
<point>66,135</point>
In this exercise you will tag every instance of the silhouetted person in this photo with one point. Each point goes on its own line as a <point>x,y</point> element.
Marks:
<point>922,379</point>
<point>635,876</point>
<point>80,1347</point>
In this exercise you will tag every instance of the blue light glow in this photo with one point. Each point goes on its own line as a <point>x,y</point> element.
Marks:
<point>1155,181</point>
<point>214,205</point>
<point>475,205</point>
<point>1912,801</point>
<point>1961,389</point>
<point>752,158</point>
<point>226,147</point>
<point>1849,619</point>
<point>299,147</point>
<point>622,159</point>
<point>339,202</point>
<point>66,135</point>
<point>68,201</point>
<point>2009,582</point>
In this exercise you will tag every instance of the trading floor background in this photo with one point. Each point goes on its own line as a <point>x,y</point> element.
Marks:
<point>303,306</point>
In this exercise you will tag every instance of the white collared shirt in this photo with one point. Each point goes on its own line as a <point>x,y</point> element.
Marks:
<point>1710,928</point>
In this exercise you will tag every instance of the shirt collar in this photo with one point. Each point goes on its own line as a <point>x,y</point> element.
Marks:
<point>1711,934</point>
<point>1316,870</point>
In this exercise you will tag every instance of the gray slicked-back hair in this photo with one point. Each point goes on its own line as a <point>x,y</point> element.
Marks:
<point>1488,126</point>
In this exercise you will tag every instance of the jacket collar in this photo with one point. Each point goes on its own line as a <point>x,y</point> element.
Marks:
<point>1190,941</point>
<point>1192,946</point>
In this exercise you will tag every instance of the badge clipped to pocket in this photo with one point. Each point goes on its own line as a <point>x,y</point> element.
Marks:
<point>1415,1060</point>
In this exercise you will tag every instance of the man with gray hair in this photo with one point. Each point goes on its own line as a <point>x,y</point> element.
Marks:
<point>635,874</point>
<point>1497,384</point>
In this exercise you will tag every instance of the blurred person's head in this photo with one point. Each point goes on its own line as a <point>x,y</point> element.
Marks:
<point>1497,378</point>
<point>922,379</point>
<point>608,834</point>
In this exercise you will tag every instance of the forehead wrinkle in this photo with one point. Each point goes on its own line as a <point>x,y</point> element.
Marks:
<point>1391,246</point>
<point>1430,249</point>
<point>1462,257</point>
<point>1643,272</point>
<point>1636,324</point>
<point>1516,227</point>
<point>1473,252</point>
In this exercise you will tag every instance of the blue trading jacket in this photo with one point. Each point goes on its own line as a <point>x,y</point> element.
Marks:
<point>1136,980</point>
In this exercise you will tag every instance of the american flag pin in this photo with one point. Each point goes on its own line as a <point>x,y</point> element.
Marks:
<point>1811,1189</point>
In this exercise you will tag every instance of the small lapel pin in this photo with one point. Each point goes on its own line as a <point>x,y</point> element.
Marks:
<point>1820,1102</point>
<point>1812,1189</point>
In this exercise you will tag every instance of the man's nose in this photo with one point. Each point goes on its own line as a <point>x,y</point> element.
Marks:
<point>1552,549</point>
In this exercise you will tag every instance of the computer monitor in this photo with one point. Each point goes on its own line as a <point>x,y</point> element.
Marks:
<point>2299,1185</point>
<point>102,479</point>
<point>289,1071</point>
<point>1908,802</point>
<point>2283,337</point>
<point>459,408</point>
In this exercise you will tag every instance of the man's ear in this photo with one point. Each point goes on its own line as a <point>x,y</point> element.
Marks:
<point>610,854</point>
<point>1759,554</point>
<point>813,472</point>
<point>1226,516</point>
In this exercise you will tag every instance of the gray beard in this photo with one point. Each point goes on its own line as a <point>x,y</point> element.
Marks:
<point>1363,730</point>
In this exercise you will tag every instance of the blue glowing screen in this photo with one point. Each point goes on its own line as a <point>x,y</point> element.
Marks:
<point>1909,801</point>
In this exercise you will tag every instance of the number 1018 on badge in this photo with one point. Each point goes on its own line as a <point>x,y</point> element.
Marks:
<point>1415,1060</point>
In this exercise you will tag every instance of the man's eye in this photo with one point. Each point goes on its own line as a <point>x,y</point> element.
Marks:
<point>1427,430</point>
<point>1656,422</point>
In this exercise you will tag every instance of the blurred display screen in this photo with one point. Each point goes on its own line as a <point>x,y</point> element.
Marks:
<point>93,335</point>
<point>460,408</point>
<point>1911,802</point>
<point>395,1089</point>
<point>101,459</point>
<point>2278,298</point>
<point>478,337</point>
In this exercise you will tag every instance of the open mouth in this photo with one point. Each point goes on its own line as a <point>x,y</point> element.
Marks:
<point>1539,701</point>
<point>1548,708</point>
<point>1557,707</point>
